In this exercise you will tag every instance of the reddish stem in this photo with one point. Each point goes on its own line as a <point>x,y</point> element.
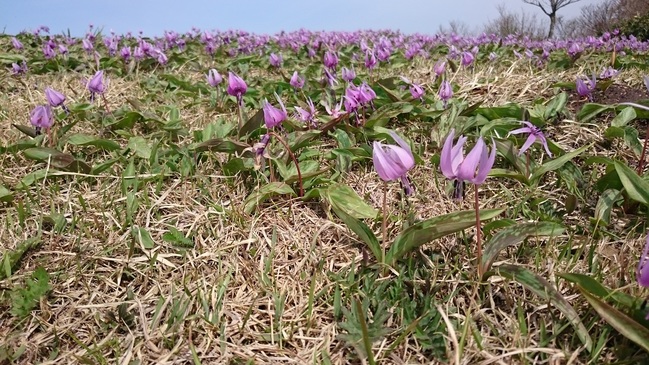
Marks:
<point>644,152</point>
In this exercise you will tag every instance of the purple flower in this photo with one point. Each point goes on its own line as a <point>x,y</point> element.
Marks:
<point>138,53</point>
<point>416,91</point>
<point>17,69</point>
<point>16,43</point>
<point>274,116</point>
<point>48,52</point>
<point>304,115</point>
<point>474,167</point>
<point>585,88</point>
<point>214,77</point>
<point>393,162</point>
<point>365,94</point>
<point>41,117</point>
<point>236,86</point>
<point>608,73</point>
<point>63,49</point>
<point>125,52</point>
<point>54,97</point>
<point>467,58</point>
<point>330,60</point>
<point>96,84</point>
<point>87,45</point>
<point>348,75</point>
<point>276,60</point>
<point>370,60</point>
<point>334,111</point>
<point>296,81</point>
<point>445,92</point>
<point>440,67</point>
<point>535,134</point>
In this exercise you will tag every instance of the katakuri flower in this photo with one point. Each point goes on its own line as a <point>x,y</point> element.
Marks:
<point>393,162</point>
<point>16,43</point>
<point>214,78</point>
<point>534,134</point>
<point>440,67</point>
<point>306,115</point>
<point>236,86</point>
<point>274,116</point>
<point>585,88</point>
<point>276,60</point>
<point>348,75</point>
<point>296,81</point>
<point>473,168</point>
<point>467,58</point>
<point>330,60</point>
<point>96,84</point>
<point>445,92</point>
<point>41,117</point>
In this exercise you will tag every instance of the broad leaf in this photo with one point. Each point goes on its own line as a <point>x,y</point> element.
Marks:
<point>265,192</point>
<point>548,293</point>
<point>556,163</point>
<point>344,198</point>
<point>86,140</point>
<point>636,187</point>
<point>514,235</point>
<point>362,231</point>
<point>430,229</point>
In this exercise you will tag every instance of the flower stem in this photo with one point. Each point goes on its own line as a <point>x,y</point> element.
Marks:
<point>297,166</point>
<point>384,226</point>
<point>478,233</point>
<point>527,164</point>
<point>644,152</point>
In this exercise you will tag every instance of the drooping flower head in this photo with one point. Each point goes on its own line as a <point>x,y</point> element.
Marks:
<point>274,116</point>
<point>236,86</point>
<point>370,60</point>
<point>276,60</point>
<point>445,92</point>
<point>214,78</point>
<point>440,67</point>
<point>467,58</point>
<point>55,98</point>
<point>41,117</point>
<point>393,162</point>
<point>296,81</point>
<point>306,115</point>
<point>330,60</point>
<point>96,84</point>
<point>585,88</point>
<point>348,75</point>
<point>473,168</point>
<point>534,134</point>
<point>16,43</point>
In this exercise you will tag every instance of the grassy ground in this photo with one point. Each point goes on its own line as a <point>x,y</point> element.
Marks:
<point>289,282</point>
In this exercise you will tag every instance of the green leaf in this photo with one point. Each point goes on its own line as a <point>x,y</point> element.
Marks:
<point>591,110</point>
<point>265,192</point>
<point>344,198</point>
<point>636,187</point>
<point>362,231</point>
<point>605,205</point>
<point>6,195</point>
<point>11,258</point>
<point>382,115</point>
<point>140,146</point>
<point>514,235</point>
<point>624,117</point>
<point>86,140</point>
<point>58,159</point>
<point>595,287</point>
<point>253,123</point>
<point>143,237</point>
<point>547,292</point>
<point>430,229</point>
<point>556,163</point>
<point>506,149</point>
<point>628,327</point>
<point>222,145</point>
<point>23,300</point>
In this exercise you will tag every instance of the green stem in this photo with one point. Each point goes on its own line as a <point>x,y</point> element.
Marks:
<point>290,153</point>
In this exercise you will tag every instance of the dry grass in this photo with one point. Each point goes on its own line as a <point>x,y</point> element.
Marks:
<point>261,288</point>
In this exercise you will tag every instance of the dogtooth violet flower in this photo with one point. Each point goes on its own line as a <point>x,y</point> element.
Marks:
<point>55,98</point>
<point>306,115</point>
<point>236,86</point>
<point>534,134</point>
<point>296,81</point>
<point>348,75</point>
<point>445,92</point>
<point>330,60</point>
<point>274,116</point>
<point>276,60</point>
<point>96,84</point>
<point>41,117</point>
<point>214,78</point>
<point>393,162</point>
<point>473,168</point>
<point>467,58</point>
<point>586,88</point>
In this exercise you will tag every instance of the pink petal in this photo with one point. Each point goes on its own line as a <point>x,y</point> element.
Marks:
<point>467,170</point>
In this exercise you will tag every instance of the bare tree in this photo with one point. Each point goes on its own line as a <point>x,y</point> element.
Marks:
<point>522,24</point>
<point>550,8</point>
<point>603,17</point>
<point>456,27</point>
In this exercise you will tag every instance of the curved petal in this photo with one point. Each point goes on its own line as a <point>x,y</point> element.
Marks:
<point>467,170</point>
<point>400,157</point>
<point>520,130</point>
<point>400,141</point>
<point>457,154</point>
<point>642,274</point>
<point>486,163</point>
<point>383,164</point>
<point>447,156</point>
<point>544,142</point>
<point>530,139</point>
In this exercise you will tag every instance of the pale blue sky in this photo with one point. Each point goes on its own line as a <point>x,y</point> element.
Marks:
<point>155,16</point>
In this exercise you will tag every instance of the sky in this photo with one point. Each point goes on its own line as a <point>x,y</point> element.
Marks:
<point>153,17</point>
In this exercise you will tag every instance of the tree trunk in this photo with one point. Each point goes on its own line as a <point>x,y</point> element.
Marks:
<point>553,23</point>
